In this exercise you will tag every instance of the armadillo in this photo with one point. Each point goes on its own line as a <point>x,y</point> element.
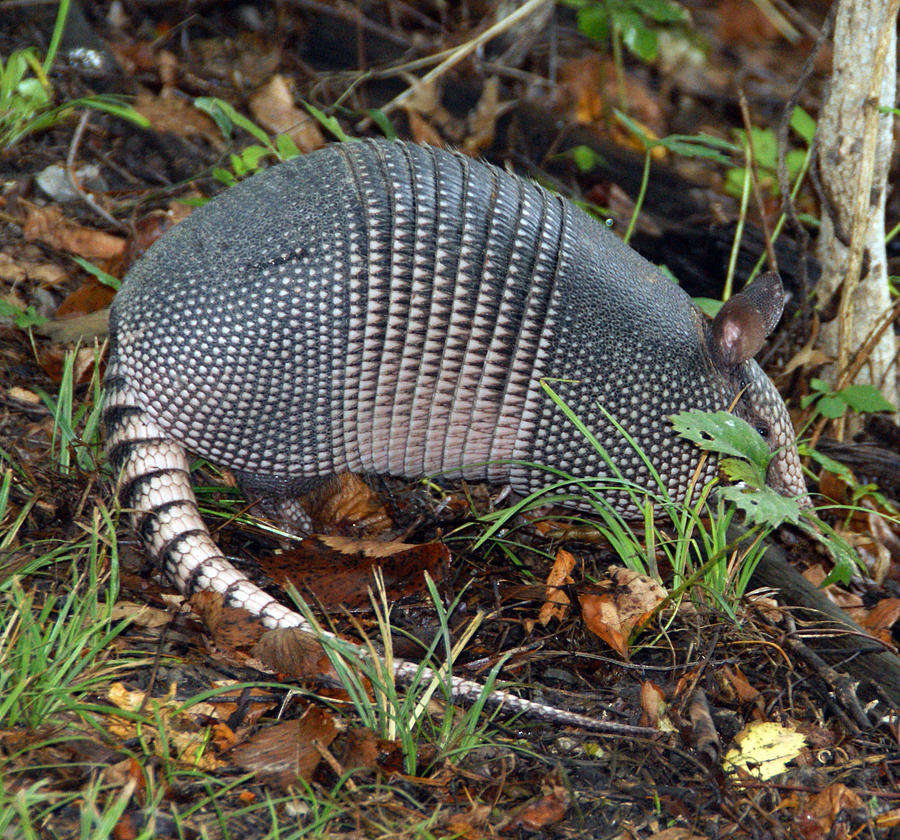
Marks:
<point>384,307</point>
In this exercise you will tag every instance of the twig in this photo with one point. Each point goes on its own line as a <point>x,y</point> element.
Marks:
<point>73,177</point>
<point>459,54</point>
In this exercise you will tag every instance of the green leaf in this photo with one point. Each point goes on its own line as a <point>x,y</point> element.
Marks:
<point>640,39</point>
<point>765,147</point>
<point>694,150</point>
<point>831,406</point>
<point>23,318</point>
<point>383,122</point>
<point>831,465</point>
<point>112,105</point>
<point>663,11</point>
<point>794,161</point>
<point>724,433</point>
<point>803,124</point>
<point>238,166</point>
<point>252,155</point>
<point>763,506</point>
<point>809,398</point>
<point>734,181</point>
<point>219,116</point>
<point>737,469</point>
<point>708,306</point>
<point>226,116</point>
<point>635,129</point>
<point>286,147</point>
<point>223,176</point>
<point>99,273</point>
<point>593,21</point>
<point>865,398</point>
<point>585,158</point>
<point>329,123</point>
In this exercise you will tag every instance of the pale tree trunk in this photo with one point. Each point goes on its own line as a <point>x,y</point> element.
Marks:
<point>855,145</point>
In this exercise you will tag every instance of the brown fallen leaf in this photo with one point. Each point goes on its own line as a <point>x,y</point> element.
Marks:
<point>823,809</point>
<point>283,753</point>
<point>625,600</point>
<point>541,811</point>
<point>556,604</point>
<point>347,502</point>
<point>17,270</point>
<point>294,653</point>
<point>52,358</point>
<point>272,106</point>
<point>90,296</point>
<point>733,680</point>
<point>173,115</point>
<point>882,618</point>
<point>48,225</point>
<point>232,629</point>
<point>338,570</point>
<point>653,703</point>
<point>359,749</point>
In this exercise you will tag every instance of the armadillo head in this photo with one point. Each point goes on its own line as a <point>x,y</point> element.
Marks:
<point>737,334</point>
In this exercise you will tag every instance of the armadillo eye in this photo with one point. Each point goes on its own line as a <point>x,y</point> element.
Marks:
<point>763,431</point>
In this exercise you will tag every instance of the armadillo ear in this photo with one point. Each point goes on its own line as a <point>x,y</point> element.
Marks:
<point>744,321</point>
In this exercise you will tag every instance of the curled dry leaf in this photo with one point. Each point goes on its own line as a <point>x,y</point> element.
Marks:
<point>624,601</point>
<point>703,730</point>
<point>348,502</point>
<point>294,653</point>
<point>556,604</point>
<point>653,704</point>
<point>825,807</point>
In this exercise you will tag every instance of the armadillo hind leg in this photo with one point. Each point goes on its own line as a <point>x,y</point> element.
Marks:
<point>279,499</point>
<point>154,488</point>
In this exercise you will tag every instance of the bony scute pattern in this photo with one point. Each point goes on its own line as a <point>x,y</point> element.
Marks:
<point>387,307</point>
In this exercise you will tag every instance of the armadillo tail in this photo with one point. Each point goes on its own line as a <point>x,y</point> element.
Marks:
<point>154,487</point>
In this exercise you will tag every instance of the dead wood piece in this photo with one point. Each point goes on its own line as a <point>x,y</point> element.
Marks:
<point>877,669</point>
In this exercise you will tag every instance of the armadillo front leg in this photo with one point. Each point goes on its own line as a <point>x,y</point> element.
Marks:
<point>154,487</point>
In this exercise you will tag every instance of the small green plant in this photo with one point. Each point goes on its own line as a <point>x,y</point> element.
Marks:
<point>251,158</point>
<point>76,424</point>
<point>400,712</point>
<point>22,318</point>
<point>704,146</point>
<point>52,653</point>
<point>634,23</point>
<point>26,95</point>
<point>764,144</point>
<point>833,404</point>
<point>706,563</point>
